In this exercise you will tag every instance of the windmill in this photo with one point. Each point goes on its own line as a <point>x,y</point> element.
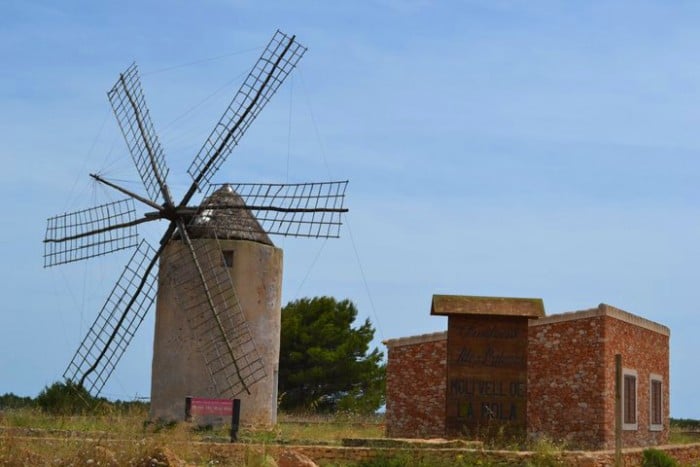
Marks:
<point>210,316</point>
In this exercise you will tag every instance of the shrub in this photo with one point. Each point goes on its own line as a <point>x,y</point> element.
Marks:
<point>546,453</point>
<point>384,462</point>
<point>66,399</point>
<point>657,458</point>
<point>12,401</point>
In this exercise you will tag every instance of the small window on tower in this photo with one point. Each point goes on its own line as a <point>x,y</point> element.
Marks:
<point>228,258</point>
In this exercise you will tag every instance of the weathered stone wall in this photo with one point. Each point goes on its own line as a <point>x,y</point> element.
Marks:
<point>684,454</point>
<point>565,381</point>
<point>415,386</point>
<point>644,347</point>
<point>571,376</point>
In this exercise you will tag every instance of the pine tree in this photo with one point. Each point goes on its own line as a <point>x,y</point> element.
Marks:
<point>324,362</point>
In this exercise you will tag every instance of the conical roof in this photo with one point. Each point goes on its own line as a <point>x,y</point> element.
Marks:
<point>222,215</point>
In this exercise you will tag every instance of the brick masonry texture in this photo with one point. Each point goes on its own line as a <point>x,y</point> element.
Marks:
<point>570,379</point>
<point>646,352</point>
<point>571,376</point>
<point>566,381</point>
<point>415,385</point>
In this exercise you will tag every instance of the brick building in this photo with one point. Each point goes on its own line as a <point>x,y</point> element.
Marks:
<point>563,387</point>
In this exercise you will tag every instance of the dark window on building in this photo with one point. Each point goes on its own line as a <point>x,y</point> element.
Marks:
<point>629,399</point>
<point>228,258</point>
<point>656,403</point>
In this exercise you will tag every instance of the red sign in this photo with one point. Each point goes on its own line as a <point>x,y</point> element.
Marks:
<point>201,406</point>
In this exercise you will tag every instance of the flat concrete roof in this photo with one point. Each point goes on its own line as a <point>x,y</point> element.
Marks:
<point>498,306</point>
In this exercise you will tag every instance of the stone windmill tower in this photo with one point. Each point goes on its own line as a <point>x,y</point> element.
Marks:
<point>254,266</point>
<point>219,276</point>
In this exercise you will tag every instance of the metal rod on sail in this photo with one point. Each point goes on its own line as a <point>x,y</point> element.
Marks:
<point>97,231</point>
<point>128,193</point>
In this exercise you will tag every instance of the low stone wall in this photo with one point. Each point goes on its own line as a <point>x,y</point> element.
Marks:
<point>688,454</point>
<point>240,454</point>
<point>685,455</point>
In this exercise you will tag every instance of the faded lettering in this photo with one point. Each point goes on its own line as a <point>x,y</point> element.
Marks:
<point>490,358</point>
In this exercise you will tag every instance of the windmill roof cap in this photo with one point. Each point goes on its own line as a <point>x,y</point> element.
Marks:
<point>223,215</point>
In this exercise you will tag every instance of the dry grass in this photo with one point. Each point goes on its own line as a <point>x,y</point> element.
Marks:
<point>329,429</point>
<point>31,437</point>
<point>123,437</point>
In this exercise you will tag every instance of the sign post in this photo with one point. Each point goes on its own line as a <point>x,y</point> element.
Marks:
<point>235,419</point>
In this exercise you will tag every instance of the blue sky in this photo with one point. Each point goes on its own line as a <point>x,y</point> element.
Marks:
<point>493,148</point>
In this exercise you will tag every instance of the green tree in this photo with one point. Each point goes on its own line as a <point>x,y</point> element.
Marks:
<point>324,362</point>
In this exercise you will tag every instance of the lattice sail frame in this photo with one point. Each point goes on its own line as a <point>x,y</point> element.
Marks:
<point>279,58</point>
<point>227,345</point>
<point>87,233</point>
<point>129,106</point>
<point>291,209</point>
<point>117,322</point>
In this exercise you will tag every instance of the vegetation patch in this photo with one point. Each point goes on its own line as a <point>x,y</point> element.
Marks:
<point>656,458</point>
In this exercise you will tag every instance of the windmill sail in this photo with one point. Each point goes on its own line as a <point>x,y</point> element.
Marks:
<point>130,109</point>
<point>295,210</point>
<point>279,58</point>
<point>79,235</point>
<point>118,320</point>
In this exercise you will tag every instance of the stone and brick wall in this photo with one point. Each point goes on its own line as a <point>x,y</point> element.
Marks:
<point>571,376</point>
<point>644,347</point>
<point>566,380</point>
<point>415,386</point>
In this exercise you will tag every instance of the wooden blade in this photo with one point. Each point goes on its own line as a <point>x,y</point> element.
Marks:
<point>116,323</point>
<point>129,107</point>
<point>276,62</point>
<point>204,289</point>
<point>79,235</point>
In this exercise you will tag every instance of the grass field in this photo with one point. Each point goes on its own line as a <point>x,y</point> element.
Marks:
<point>300,429</point>
<point>29,436</point>
<point>122,436</point>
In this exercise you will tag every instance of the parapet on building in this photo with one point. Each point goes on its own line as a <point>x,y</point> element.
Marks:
<point>503,366</point>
